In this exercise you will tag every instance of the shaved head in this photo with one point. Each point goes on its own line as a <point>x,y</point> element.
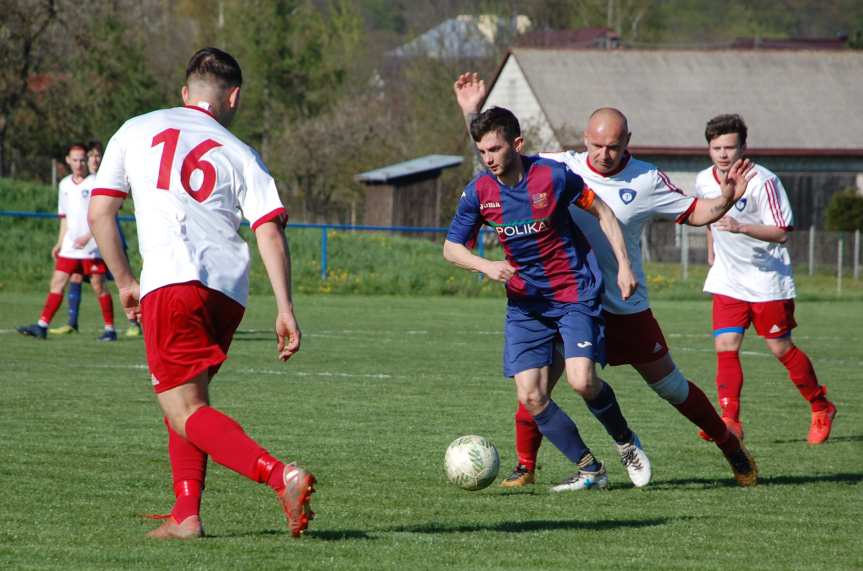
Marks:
<point>606,139</point>
<point>608,120</point>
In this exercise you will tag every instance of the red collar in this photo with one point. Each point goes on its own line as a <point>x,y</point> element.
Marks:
<point>716,175</point>
<point>619,168</point>
<point>201,109</point>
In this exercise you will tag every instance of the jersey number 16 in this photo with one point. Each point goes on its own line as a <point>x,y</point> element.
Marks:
<point>192,162</point>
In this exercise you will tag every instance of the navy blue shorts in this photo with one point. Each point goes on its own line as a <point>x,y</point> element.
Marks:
<point>532,328</point>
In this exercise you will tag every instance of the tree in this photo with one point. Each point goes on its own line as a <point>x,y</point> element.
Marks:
<point>24,29</point>
<point>845,211</point>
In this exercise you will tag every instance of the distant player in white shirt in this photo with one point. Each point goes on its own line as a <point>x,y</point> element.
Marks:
<point>637,192</point>
<point>192,183</point>
<point>751,279</point>
<point>76,251</point>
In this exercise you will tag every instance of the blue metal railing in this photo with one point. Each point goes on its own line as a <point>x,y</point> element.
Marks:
<point>324,228</point>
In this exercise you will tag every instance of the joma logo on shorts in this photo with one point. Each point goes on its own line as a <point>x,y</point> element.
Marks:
<point>523,229</point>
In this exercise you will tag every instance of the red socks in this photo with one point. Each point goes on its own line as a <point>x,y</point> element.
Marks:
<point>225,441</point>
<point>107,309</point>
<point>729,382</point>
<point>699,411</point>
<point>802,374</point>
<point>189,470</point>
<point>527,438</point>
<point>52,304</point>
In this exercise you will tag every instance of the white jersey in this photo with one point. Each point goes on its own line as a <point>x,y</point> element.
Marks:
<point>72,203</point>
<point>746,268</point>
<point>636,193</point>
<point>192,181</point>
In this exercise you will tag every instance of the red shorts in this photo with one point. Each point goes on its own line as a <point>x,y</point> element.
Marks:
<point>187,330</point>
<point>84,266</point>
<point>633,339</point>
<point>772,319</point>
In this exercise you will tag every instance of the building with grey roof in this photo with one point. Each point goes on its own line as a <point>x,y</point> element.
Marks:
<point>804,109</point>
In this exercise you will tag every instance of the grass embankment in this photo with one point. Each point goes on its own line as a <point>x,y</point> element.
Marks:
<point>369,263</point>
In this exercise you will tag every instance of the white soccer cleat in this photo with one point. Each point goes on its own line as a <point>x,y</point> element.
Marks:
<point>584,480</point>
<point>636,462</point>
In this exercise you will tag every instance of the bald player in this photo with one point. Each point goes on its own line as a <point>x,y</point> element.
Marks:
<point>636,192</point>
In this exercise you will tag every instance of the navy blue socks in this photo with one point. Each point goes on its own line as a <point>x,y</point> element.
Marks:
<point>607,411</point>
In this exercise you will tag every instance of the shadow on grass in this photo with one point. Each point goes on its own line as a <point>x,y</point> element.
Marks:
<point>321,535</point>
<point>850,438</point>
<point>842,478</point>
<point>530,526</point>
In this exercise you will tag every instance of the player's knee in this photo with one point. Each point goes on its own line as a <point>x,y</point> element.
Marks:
<point>585,383</point>
<point>780,347</point>
<point>534,402</point>
<point>673,387</point>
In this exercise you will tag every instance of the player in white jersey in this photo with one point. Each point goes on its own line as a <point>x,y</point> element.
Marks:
<point>751,279</point>
<point>75,250</point>
<point>192,182</point>
<point>636,191</point>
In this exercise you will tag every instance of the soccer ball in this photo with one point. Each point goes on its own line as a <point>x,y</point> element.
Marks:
<point>471,462</point>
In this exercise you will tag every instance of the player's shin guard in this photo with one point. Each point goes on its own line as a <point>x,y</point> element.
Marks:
<point>562,432</point>
<point>52,304</point>
<point>802,374</point>
<point>74,299</point>
<point>107,306</point>
<point>729,382</point>
<point>226,442</point>
<point>189,471</point>
<point>607,411</point>
<point>527,438</point>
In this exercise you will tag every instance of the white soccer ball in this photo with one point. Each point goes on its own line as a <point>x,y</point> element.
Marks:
<point>471,462</point>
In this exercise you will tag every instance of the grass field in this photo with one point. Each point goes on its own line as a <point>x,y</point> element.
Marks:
<point>380,388</point>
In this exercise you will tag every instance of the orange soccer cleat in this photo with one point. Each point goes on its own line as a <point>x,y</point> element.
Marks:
<point>295,498</point>
<point>822,423</point>
<point>189,528</point>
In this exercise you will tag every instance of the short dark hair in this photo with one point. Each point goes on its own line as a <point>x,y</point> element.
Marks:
<point>725,124</point>
<point>94,145</point>
<point>495,119</point>
<point>212,64</point>
<point>74,146</point>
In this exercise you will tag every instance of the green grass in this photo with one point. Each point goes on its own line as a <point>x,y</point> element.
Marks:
<point>380,388</point>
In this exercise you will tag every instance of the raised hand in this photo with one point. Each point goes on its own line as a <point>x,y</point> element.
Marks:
<point>737,179</point>
<point>470,92</point>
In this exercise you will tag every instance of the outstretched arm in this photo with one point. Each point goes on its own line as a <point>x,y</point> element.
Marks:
<point>709,210</point>
<point>611,228</point>
<point>459,255</point>
<point>277,259</point>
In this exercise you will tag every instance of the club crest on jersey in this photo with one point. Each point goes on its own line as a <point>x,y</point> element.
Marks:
<point>540,200</point>
<point>85,192</point>
<point>627,195</point>
<point>740,204</point>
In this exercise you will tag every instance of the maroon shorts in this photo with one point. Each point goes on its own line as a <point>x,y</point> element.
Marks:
<point>187,330</point>
<point>84,266</point>
<point>633,339</point>
<point>772,319</point>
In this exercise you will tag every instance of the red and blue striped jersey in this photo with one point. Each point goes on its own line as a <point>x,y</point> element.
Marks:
<point>552,258</point>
